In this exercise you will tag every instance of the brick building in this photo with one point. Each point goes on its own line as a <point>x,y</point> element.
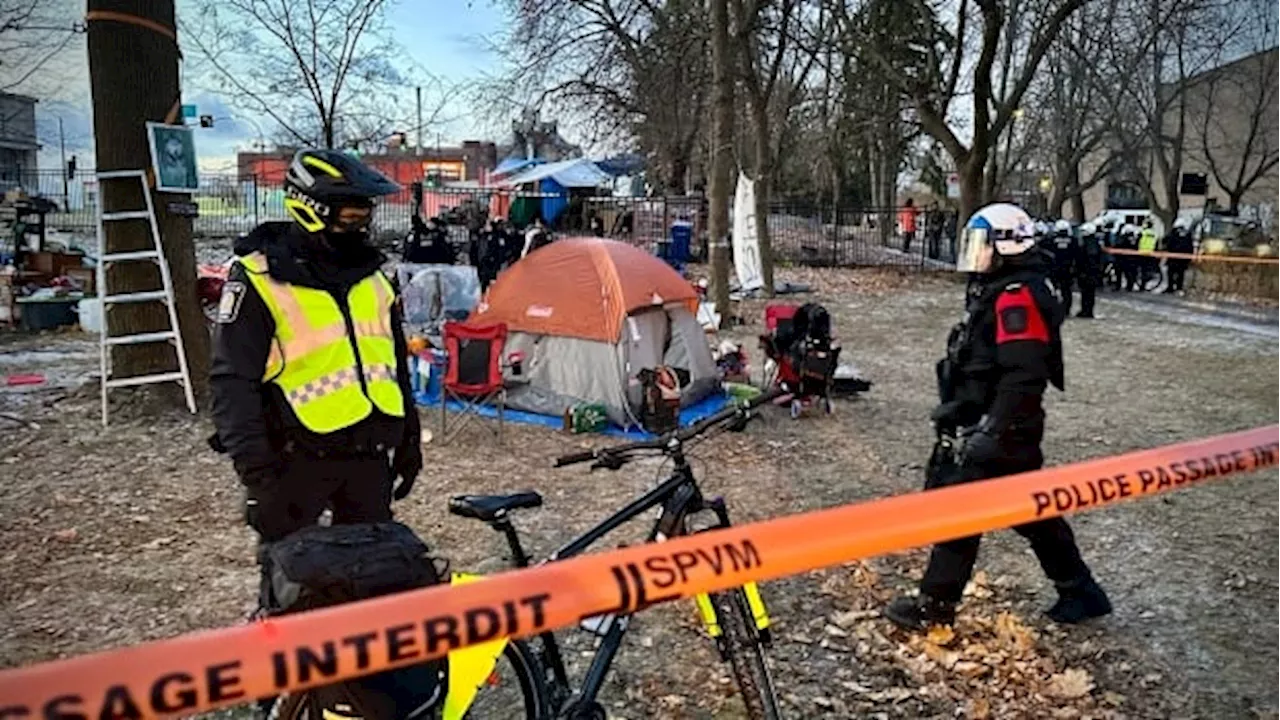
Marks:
<point>472,160</point>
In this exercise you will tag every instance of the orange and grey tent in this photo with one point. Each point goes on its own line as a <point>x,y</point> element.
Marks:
<point>589,314</point>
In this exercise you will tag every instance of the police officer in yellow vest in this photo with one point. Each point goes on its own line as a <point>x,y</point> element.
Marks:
<point>1147,240</point>
<point>311,394</point>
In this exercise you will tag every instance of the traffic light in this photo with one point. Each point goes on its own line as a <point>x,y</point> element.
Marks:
<point>71,168</point>
<point>206,121</point>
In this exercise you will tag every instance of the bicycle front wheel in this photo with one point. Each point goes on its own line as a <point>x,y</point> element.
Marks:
<point>745,654</point>
<point>514,690</point>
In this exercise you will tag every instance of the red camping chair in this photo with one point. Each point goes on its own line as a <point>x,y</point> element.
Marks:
<point>473,373</point>
<point>774,315</point>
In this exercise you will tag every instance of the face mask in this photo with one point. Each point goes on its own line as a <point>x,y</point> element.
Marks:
<point>346,242</point>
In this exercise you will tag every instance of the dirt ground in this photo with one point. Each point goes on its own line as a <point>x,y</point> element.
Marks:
<point>110,538</point>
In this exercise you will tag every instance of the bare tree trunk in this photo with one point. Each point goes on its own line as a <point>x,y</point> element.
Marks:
<point>763,167</point>
<point>721,154</point>
<point>1076,198</point>
<point>972,179</point>
<point>133,74</point>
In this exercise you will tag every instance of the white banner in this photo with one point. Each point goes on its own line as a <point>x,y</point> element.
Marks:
<point>746,246</point>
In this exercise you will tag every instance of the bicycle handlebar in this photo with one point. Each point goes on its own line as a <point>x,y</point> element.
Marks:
<point>617,453</point>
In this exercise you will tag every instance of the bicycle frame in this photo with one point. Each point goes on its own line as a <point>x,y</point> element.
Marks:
<point>679,497</point>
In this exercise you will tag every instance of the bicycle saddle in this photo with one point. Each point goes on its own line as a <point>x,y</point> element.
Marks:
<point>491,507</point>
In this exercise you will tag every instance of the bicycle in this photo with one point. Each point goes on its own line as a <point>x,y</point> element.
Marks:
<point>737,619</point>
<point>527,679</point>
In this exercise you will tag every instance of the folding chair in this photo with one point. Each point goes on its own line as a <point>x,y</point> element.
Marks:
<point>473,373</point>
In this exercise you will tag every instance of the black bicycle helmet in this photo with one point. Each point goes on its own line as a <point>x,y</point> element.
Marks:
<point>320,182</point>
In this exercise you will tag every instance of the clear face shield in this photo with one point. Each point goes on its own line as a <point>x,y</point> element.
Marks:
<point>974,251</point>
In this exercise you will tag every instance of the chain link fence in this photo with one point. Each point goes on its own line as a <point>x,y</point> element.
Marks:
<point>231,204</point>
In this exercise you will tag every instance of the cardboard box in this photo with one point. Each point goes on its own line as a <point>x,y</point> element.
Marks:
<point>86,277</point>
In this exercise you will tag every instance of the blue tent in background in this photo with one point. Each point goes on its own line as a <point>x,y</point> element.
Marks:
<point>557,179</point>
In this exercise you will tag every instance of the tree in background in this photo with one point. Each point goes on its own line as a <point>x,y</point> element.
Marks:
<point>772,71</point>
<point>937,49</point>
<point>33,33</point>
<point>1147,70</point>
<point>627,74</point>
<point>326,71</point>
<point>133,73</point>
<point>1234,110</point>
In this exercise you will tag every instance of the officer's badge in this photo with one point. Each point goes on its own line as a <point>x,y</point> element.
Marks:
<point>229,305</point>
<point>1014,320</point>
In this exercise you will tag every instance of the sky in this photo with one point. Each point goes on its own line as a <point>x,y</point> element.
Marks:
<point>446,38</point>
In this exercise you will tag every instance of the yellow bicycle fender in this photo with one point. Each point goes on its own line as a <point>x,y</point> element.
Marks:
<point>708,613</point>
<point>756,602</point>
<point>469,668</point>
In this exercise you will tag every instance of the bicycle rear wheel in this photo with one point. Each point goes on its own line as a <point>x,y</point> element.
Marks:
<point>745,654</point>
<point>513,691</point>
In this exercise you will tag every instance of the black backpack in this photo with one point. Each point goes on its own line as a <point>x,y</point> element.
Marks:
<point>322,566</point>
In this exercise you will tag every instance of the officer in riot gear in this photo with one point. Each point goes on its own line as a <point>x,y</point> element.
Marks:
<point>1179,241</point>
<point>1088,269</point>
<point>990,423</point>
<point>1128,265</point>
<point>1063,248</point>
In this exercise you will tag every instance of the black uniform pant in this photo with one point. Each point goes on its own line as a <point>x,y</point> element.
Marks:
<point>1177,274</point>
<point>951,563</point>
<point>1088,293</point>
<point>1128,267</point>
<point>355,488</point>
<point>1062,280</point>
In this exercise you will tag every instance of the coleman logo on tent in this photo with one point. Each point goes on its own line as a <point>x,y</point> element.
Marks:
<point>656,299</point>
<point>539,311</point>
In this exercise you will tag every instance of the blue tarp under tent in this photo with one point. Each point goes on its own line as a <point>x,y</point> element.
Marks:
<point>704,408</point>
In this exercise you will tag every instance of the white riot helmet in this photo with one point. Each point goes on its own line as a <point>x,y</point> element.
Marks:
<point>1088,229</point>
<point>1062,227</point>
<point>1000,229</point>
<point>1040,229</point>
<point>1182,224</point>
<point>1129,229</point>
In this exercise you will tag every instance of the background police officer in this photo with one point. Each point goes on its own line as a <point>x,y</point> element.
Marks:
<point>1088,270</point>
<point>1179,241</point>
<point>311,394</point>
<point>999,361</point>
<point>1064,249</point>
<point>1128,265</point>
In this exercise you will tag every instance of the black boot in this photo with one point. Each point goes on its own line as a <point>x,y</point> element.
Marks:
<point>918,613</point>
<point>1079,600</point>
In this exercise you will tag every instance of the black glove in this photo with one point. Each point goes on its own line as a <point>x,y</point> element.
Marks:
<point>406,466</point>
<point>979,444</point>
<point>946,417</point>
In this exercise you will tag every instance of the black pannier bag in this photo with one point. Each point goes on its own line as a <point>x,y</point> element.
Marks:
<point>323,566</point>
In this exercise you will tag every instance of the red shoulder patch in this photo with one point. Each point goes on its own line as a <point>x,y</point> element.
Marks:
<point>1019,318</point>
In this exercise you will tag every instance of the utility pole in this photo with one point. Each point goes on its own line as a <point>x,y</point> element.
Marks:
<point>133,77</point>
<point>418,145</point>
<point>62,147</point>
<point>721,154</point>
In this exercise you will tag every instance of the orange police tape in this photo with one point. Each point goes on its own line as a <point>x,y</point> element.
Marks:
<point>1197,257</point>
<point>229,666</point>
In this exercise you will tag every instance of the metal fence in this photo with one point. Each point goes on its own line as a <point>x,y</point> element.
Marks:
<point>228,204</point>
<point>231,204</point>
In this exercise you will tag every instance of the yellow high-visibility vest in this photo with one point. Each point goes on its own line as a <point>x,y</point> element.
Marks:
<point>317,360</point>
<point>1147,240</point>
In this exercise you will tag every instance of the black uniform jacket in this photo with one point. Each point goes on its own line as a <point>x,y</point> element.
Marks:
<point>254,421</point>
